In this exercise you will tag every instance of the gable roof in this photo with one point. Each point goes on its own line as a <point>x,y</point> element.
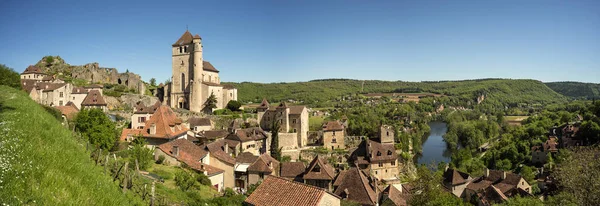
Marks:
<point>264,104</point>
<point>296,109</point>
<point>399,198</point>
<point>279,191</point>
<point>186,149</point>
<point>340,178</point>
<point>48,86</point>
<point>216,149</point>
<point>495,176</point>
<point>166,124</point>
<point>69,110</point>
<point>28,84</point>
<point>455,177</point>
<point>127,132</point>
<point>357,187</point>
<point>326,171</point>
<point>292,169</point>
<point>94,98</point>
<point>265,164</point>
<point>212,134</point>
<point>197,121</point>
<point>246,158</point>
<point>79,90</point>
<point>31,69</point>
<point>333,126</point>
<point>207,66</point>
<point>186,38</point>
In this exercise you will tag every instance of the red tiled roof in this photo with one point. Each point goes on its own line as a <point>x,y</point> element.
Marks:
<point>47,86</point>
<point>265,164</point>
<point>31,69</point>
<point>246,158</point>
<point>340,178</point>
<point>166,124</point>
<point>381,152</point>
<point>357,187</point>
<point>94,98</point>
<point>207,66</point>
<point>400,198</point>
<point>333,126</point>
<point>326,171</point>
<point>210,170</point>
<point>68,110</point>
<point>132,132</point>
<point>455,177</point>
<point>186,38</point>
<point>292,169</point>
<point>186,149</point>
<point>276,191</point>
<point>216,149</point>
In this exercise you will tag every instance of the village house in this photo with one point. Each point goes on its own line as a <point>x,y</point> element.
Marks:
<point>292,120</point>
<point>33,73</point>
<point>496,186</point>
<point>182,151</point>
<point>356,186</point>
<point>333,135</point>
<point>210,136</point>
<point>264,165</point>
<point>540,153</point>
<point>397,194</point>
<point>275,191</point>
<point>293,171</point>
<point>319,173</point>
<point>242,162</point>
<point>78,94</point>
<point>162,127</point>
<point>194,80</point>
<point>253,140</point>
<point>142,113</point>
<point>68,111</point>
<point>456,181</point>
<point>94,100</point>
<point>198,124</point>
<point>378,158</point>
<point>220,154</point>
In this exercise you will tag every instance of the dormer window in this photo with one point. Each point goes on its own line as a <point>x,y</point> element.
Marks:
<point>378,153</point>
<point>389,152</point>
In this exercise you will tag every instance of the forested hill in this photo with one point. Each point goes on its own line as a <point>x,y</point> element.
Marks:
<point>577,90</point>
<point>319,92</point>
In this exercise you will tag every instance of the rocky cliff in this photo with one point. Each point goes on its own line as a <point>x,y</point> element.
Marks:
<point>91,72</point>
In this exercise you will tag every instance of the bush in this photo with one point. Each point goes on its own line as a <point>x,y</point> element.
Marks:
<point>95,126</point>
<point>234,105</point>
<point>9,77</point>
<point>54,112</point>
<point>184,180</point>
<point>143,155</point>
<point>160,159</point>
<point>203,179</point>
<point>49,59</point>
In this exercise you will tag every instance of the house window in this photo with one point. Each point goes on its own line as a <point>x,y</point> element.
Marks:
<point>393,163</point>
<point>375,172</point>
<point>333,133</point>
<point>389,152</point>
<point>185,49</point>
<point>387,133</point>
<point>316,169</point>
<point>182,82</point>
<point>73,98</point>
<point>294,130</point>
<point>180,50</point>
<point>294,121</point>
<point>61,94</point>
<point>60,103</point>
<point>261,175</point>
<point>142,119</point>
<point>333,140</point>
<point>380,164</point>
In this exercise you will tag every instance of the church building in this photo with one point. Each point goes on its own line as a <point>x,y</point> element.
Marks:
<point>193,79</point>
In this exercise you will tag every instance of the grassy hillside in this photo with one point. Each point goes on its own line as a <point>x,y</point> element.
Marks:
<point>576,90</point>
<point>42,164</point>
<point>318,92</point>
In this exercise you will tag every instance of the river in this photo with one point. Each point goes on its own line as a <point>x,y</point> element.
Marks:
<point>434,146</point>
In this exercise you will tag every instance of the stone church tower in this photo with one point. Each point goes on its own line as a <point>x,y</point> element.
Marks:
<point>194,79</point>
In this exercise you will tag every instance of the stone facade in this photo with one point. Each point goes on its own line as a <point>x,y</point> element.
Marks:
<point>193,79</point>
<point>333,135</point>
<point>291,119</point>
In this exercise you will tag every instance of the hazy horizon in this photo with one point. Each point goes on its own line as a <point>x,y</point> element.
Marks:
<point>274,41</point>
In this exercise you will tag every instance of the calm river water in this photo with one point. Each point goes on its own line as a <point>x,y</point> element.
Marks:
<point>434,147</point>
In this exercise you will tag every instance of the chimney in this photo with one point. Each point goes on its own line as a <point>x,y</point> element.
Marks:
<point>347,193</point>
<point>487,172</point>
<point>503,174</point>
<point>226,147</point>
<point>175,150</point>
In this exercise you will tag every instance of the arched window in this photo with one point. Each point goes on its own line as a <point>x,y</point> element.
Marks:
<point>182,82</point>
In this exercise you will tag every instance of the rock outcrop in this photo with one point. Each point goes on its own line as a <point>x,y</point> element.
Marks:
<point>91,72</point>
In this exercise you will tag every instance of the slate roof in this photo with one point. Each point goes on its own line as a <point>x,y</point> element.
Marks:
<point>276,191</point>
<point>94,98</point>
<point>166,123</point>
<point>31,69</point>
<point>216,149</point>
<point>333,126</point>
<point>455,177</point>
<point>207,66</point>
<point>326,171</point>
<point>265,164</point>
<point>186,38</point>
<point>197,121</point>
<point>292,169</point>
<point>357,187</point>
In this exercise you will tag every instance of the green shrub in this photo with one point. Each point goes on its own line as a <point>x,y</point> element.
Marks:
<point>9,77</point>
<point>160,159</point>
<point>49,59</point>
<point>184,180</point>
<point>143,155</point>
<point>54,112</point>
<point>234,105</point>
<point>203,179</point>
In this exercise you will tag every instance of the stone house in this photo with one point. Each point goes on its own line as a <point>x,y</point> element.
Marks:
<point>162,127</point>
<point>293,171</point>
<point>78,94</point>
<point>221,157</point>
<point>198,124</point>
<point>182,151</point>
<point>279,191</point>
<point>68,111</point>
<point>456,181</point>
<point>242,162</point>
<point>53,94</point>
<point>333,135</point>
<point>293,122</point>
<point>397,194</point>
<point>496,186</point>
<point>378,159</point>
<point>193,79</point>
<point>142,113</point>
<point>211,135</point>
<point>34,73</point>
<point>253,140</point>
<point>319,173</point>
<point>357,187</point>
<point>94,100</point>
<point>263,166</point>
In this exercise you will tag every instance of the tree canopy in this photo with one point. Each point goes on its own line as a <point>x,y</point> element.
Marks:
<point>95,126</point>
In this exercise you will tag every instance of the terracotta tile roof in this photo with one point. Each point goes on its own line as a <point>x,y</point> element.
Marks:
<point>264,104</point>
<point>31,69</point>
<point>197,121</point>
<point>186,149</point>
<point>94,98</point>
<point>276,191</point>
<point>186,38</point>
<point>455,177</point>
<point>292,169</point>
<point>246,158</point>
<point>399,198</point>
<point>210,170</point>
<point>140,108</point>
<point>68,110</point>
<point>79,90</point>
<point>495,176</point>
<point>265,164</point>
<point>333,126</point>
<point>28,84</point>
<point>207,66</point>
<point>47,86</point>
<point>248,134</point>
<point>356,187</point>
<point>132,132</point>
<point>296,109</point>
<point>216,149</point>
<point>165,123</point>
<point>213,134</point>
<point>479,184</point>
<point>340,178</point>
<point>197,36</point>
<point>326,171</point>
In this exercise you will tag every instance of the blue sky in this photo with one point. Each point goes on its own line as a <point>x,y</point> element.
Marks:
<point>285,41</point>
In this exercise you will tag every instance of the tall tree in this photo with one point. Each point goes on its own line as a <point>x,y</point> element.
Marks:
<point>275,152</point>
<point>96,127</point>
<point>210,103</point>
<point>579,175</point>
<point>153,82</point>
<point>9,77</point>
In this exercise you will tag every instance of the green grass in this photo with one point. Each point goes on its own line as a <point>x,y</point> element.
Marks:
<point>515,118</point>
<point>170,191</point>
<point>41,163</point>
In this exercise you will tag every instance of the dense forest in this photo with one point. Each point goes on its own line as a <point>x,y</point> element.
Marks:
<point>319,93</point>
<point>577,90</point>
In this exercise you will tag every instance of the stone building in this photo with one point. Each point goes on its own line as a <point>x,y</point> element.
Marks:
<point>142,113</point>
<point>34,73</point>
<point>495,187</point>
<point>94,100</point>
<point>163,126</point>
<point>292,120</point>
<point>319,173</point>
<point>193,79</point>
<point>333,135</point>
<point>378,158</point>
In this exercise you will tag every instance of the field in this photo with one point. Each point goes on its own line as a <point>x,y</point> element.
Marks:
<point>515,120</point>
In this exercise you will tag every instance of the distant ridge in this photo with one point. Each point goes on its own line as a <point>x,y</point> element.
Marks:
<point>576,90</point>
